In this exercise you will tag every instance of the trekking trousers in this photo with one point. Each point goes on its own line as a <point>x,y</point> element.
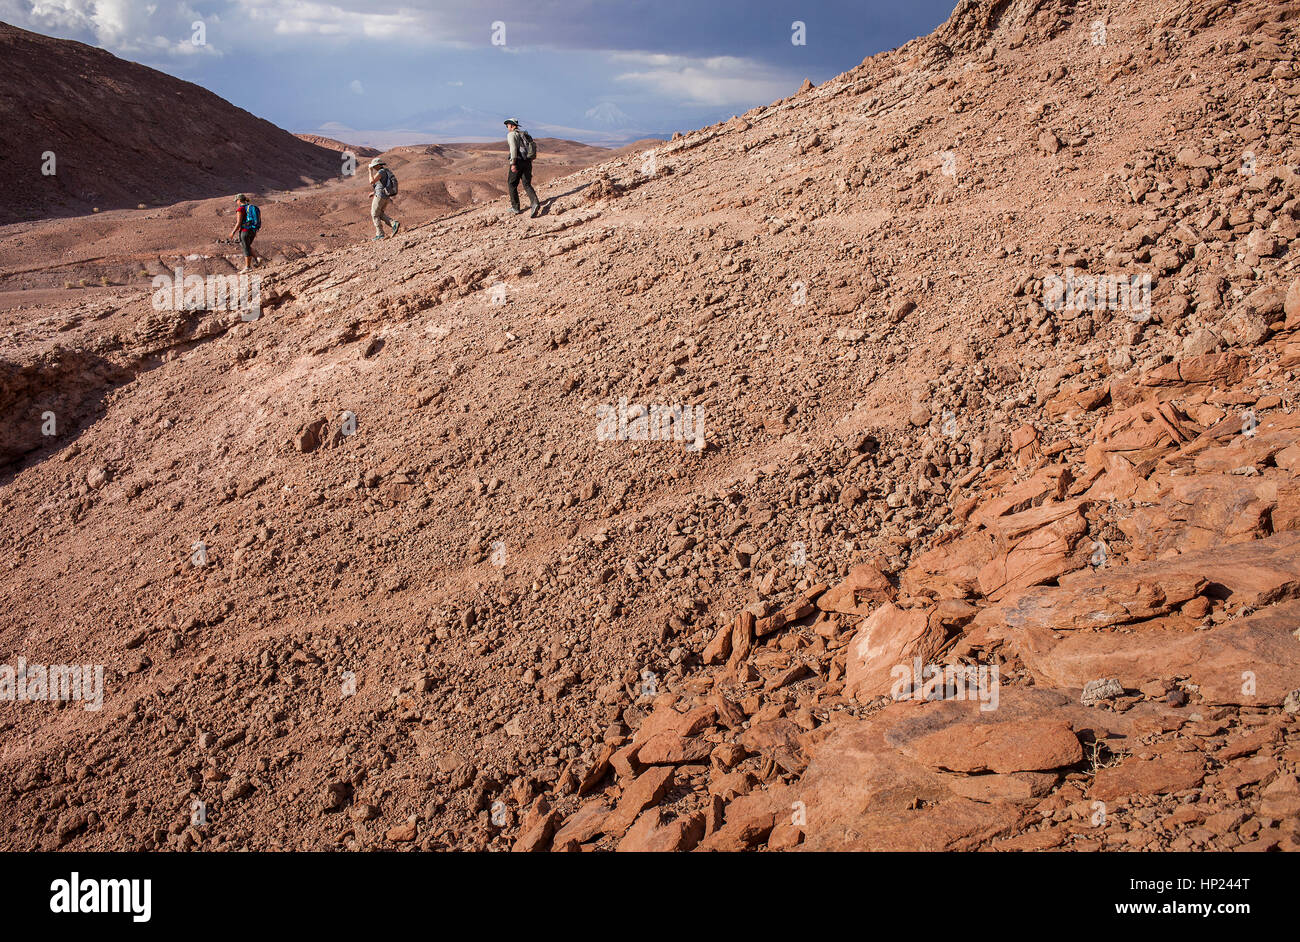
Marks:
<point>523,175</point>
<point>379,217</point>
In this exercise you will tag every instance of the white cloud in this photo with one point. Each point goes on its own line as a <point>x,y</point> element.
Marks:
<point>357,88</point>
<point>309,18</point>
<point>135,28</point>
<point>126,27</point>
<point>714,81</point>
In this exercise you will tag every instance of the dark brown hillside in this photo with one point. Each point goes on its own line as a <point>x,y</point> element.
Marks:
<point>124,134</point>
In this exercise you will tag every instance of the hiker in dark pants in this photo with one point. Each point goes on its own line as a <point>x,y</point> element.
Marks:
<point>247,223</point>
<point>522,152</point>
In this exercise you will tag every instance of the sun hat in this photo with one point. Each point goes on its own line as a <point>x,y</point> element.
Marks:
<point>377,162</point>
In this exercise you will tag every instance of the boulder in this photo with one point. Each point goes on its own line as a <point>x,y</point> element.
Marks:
<point>1291,306</point>
<point>999,747</point>
<point>1162,775</point>
<point>890,637</point>
<point>655,831</point>
<point>865,588</point>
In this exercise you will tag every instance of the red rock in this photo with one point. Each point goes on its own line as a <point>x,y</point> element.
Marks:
<point>1095,600</point>
<point>598,770</point>
<point>999,747</point>
<point>719,648</point>
<point>743,830</point>
<point>1017,786</point>
<point>1222,369</point>
<point>582,825</point>
<point>402,833</point>
<point>671,749</point>
<point>1281,798</point>
<point>1166,774</point>
<point>1292,306</point>
<point>1247,772</point>
<point>537,828</point>
<point>1041,556</point>
<point>655,832</point>
<point>865,588</point>
<point>890,637</point>
<point>642,792</point>
<point>1049,484</point>
<point>778,740</point>
<point>667,721</point>
<point>949,570</point>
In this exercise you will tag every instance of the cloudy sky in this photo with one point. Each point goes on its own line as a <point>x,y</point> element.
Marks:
<point>598,70</point>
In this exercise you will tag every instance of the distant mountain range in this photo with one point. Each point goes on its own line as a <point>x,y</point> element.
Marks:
<point>608,126</point>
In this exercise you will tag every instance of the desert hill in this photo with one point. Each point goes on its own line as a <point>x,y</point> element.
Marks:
<point>123,135</point>
<point>43,261</point>
<point>991,370</point>
<point>339,146</point>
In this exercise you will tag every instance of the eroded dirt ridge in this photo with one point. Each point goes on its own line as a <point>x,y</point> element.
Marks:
<point>992,541</point>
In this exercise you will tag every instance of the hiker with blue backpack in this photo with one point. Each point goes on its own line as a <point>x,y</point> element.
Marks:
<point>247,223</point>
<point>385,186</point>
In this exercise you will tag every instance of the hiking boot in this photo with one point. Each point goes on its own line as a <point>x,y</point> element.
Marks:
<point>396,226</point>
<point>537,211</point>
<point>377,238</point>
<point>515,212</point>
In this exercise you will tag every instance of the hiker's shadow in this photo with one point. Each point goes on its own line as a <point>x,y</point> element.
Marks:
<point>550,200</point>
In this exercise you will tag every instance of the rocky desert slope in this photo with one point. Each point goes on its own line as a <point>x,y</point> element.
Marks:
<point>47,262</point>
<point>122,135</point>
<point>377,570</point>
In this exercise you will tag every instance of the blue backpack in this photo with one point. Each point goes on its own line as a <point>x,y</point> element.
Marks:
<point>252,217</point>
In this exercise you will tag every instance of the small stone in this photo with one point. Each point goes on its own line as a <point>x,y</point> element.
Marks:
<point>336,795</point>
<point>402,833</point>
<point>1095,691</point>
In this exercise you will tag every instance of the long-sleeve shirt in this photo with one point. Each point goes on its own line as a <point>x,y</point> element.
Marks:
<point>516,142</point>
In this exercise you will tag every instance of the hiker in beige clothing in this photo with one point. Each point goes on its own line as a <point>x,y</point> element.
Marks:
<point>385,185</point>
